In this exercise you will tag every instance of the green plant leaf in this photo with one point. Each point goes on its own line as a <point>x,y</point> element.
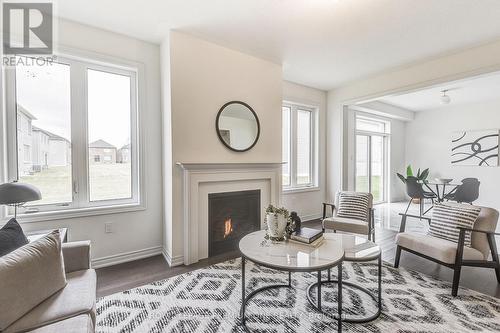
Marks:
<point>403,179</point>
<point>418,173</point>
<point>424,174</point>
<point>409,171</point>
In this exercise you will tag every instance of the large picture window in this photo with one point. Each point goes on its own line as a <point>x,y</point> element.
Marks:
<point>76,135</point>
<point>298,146</point>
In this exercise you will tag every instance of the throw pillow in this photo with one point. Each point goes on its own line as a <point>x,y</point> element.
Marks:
<point>353,205</point>
<point>28,276</point>
<point>11,237</point>
<point>446,218</point>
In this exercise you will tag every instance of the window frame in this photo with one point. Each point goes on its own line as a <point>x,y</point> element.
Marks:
<point>386,137</point>
<point>313,150</point>
<point>81,205</point>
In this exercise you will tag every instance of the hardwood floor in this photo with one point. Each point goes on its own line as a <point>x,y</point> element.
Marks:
<point>133,274</point>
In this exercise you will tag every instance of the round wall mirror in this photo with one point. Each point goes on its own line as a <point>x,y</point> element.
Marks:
<point>237,126</point>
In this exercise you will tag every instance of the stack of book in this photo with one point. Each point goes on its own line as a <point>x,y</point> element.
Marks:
<point>307,236</point>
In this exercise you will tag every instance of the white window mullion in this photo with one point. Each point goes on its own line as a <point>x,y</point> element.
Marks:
<point>79,134</point>
<point>293,157</point>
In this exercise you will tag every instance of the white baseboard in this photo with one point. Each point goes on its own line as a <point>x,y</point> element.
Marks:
<point>126,257</point>
<point>175,261</point>
<point>305,218</point>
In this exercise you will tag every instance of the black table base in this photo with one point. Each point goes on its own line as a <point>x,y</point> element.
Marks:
<point>349,319</point>
<point>245,298</point>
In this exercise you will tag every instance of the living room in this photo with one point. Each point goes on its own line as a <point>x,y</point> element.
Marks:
<point>157,145</point>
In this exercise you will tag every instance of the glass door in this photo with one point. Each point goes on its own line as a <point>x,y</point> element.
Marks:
<point>370,165</point>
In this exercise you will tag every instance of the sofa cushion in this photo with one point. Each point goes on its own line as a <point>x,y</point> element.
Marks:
<point>78,297</point>
<point>346,224</point>
<point>446,218</point>
<point>11,237</point>
<point>353,205</point>
<point>29,275</point>
<point>79,324</point>
<point>437,248</point>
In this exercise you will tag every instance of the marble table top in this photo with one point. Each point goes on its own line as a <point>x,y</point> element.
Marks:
<point>290,255</point>
<point>297,257</point>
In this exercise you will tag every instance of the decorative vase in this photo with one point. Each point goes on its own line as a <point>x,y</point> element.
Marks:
<point>276,225</point>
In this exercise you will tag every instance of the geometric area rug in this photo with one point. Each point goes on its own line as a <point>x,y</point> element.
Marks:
<point>209,299</point>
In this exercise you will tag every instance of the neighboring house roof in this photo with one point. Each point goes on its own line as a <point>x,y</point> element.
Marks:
<point>101,144</point>
<point>51,135</point>
<point>23,110</point>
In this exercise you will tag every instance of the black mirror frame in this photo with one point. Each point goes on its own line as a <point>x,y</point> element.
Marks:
<point>217,129</point>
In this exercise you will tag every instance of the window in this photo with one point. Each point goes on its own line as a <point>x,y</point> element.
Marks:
<point>78,108</point>
<point>298,148</point>
<point>372,137</point>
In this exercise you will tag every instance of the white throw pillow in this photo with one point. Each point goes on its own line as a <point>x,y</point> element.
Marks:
<point>447,217</point>
<point>353,205</point>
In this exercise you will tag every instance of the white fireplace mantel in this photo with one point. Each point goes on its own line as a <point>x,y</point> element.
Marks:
<point>200,179</point>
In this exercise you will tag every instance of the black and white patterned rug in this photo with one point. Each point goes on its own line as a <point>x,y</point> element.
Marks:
<point>208,300</point>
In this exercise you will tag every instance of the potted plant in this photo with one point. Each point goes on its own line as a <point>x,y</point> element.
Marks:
<point>278,221</point>
<point>421,177</point>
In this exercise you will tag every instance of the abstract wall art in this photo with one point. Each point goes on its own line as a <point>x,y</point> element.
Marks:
<point>476,148</point>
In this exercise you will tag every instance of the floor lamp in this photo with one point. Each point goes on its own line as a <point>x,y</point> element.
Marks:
<point>17,194</point>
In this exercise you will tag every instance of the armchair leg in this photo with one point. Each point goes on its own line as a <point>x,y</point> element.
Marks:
<point>398,256</point>
<point>456,280</point>
<point>494,255</point>
<point>458,263</point>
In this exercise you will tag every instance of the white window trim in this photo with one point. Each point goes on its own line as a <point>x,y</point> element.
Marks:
<point>386,136</point>
<point>314,184</point>
<point>94,61</point>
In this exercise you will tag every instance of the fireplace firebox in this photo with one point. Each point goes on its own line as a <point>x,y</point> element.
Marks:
<point>231,215</point>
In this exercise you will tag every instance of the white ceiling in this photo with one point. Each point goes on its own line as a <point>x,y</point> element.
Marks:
<point>321,43</point>
<point>473,90</point>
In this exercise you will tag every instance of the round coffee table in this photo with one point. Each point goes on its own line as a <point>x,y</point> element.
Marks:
<point>290,257</point>
<point>357,249</point>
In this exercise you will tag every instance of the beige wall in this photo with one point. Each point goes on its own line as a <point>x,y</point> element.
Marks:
<point>135,233</point>
<point>446,68</point>
<point>308,204</point>
<point>204,76</point>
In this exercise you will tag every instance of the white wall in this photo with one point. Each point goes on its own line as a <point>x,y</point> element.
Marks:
<point>477,60</point>
<point>203,77</point>
<point>308,204</point>
<point>135,233</point>
<point>428,144</point>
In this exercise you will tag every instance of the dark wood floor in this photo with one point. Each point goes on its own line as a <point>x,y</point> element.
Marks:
<point>133,274</point>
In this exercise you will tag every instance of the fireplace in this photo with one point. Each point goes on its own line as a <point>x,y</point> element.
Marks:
<point>231,215</point>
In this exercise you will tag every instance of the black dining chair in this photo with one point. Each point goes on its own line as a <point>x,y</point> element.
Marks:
<point>467,192</point>
<point>415,190</point>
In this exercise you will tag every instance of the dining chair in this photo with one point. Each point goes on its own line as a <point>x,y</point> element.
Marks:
<point>467,192</point>
<point>352,212</point>
<point>415,190</point>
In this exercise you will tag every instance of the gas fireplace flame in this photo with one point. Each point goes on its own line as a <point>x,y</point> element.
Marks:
<point>228,227</point>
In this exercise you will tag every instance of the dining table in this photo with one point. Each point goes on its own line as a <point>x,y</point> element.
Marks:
<point>441,189</point>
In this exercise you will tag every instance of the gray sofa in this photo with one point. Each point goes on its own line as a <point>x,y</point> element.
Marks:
<point>72,309</point>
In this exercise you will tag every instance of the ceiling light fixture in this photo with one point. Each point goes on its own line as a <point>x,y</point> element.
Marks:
<point>445,99</point>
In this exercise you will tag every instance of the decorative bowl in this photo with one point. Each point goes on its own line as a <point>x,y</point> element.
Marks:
<point>443,180</point>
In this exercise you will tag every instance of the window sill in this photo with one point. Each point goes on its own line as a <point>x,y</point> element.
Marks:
<point>78,212</point>
<point>293,190</point>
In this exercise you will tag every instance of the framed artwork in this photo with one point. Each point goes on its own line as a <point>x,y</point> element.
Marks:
<point>475,148</point>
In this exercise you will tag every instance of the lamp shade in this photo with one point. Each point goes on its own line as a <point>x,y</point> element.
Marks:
<point>17,193</point>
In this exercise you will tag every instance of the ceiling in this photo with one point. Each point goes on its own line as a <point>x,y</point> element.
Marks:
<point>473,90</point>
<point>321,43</point>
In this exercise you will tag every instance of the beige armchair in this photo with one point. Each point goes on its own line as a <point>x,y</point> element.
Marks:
<point>451,254</point>
<point>72,309</point>
<point>351,225</point>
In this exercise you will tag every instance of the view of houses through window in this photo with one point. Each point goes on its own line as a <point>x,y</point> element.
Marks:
<point>44,133</point>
